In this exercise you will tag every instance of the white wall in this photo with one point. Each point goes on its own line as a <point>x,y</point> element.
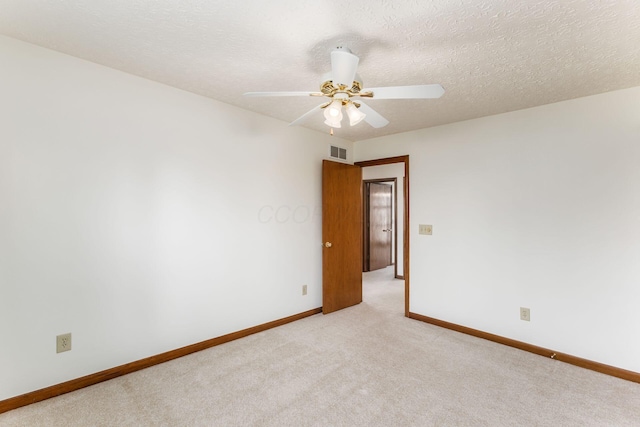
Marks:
<point>394,170</point>
<point>142,218</point>
<point>537,208</point>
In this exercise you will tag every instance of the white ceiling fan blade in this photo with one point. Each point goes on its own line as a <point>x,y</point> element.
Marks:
<point>343,67</point>
<point>373,117</point>
<point>407,92</point>
<point>305,116</point>
<point>256,94</point>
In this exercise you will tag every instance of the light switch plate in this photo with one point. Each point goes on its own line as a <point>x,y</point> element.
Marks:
<point>425,229</point>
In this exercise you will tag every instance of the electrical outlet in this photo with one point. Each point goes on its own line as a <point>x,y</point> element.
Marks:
<point>63,342</point>
<point>425,229</point>
<point>525,314</point>
<point>304,289</point>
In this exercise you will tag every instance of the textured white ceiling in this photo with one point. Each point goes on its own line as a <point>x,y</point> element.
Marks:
<point>491,56</point>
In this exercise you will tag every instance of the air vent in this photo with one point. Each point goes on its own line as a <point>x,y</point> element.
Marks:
<point>338,153</point>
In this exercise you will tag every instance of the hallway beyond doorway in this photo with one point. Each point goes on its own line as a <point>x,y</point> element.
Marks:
<point>382,290</point>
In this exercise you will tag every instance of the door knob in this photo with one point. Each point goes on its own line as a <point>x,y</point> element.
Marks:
<point>328,244</point>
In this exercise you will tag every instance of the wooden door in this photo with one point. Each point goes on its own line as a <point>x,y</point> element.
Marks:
<point>380,229</point>
<point>342,236</point>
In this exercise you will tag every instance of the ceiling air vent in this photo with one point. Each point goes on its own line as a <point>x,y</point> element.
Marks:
<point>338,153</point>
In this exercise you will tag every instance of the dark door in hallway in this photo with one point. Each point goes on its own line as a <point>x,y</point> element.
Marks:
<point>379,202</point>
<point>342,236</point>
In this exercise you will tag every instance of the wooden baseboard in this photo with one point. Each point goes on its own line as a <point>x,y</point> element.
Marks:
<point>398,276</point>
<point>78,383</point>
<point>562,357</point>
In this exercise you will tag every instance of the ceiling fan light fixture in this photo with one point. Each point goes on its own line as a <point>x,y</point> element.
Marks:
<point>355,115</point>
<point>333,114</point>
<point>333,123</point>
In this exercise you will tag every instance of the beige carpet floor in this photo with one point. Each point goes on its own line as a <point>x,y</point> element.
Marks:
<point>363,366</point>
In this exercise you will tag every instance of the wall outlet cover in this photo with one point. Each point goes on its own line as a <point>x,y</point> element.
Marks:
<point>525,314</point>
<point>63,343</point>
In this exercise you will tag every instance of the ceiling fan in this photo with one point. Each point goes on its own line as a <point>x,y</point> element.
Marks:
<point>343,86</point>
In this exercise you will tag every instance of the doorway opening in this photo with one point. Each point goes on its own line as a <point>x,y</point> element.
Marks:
<point>394,171</point>
<point>342,218</point>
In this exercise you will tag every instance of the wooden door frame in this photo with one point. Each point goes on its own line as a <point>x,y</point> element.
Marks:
<point>394,248</point>
<point>388,161</point>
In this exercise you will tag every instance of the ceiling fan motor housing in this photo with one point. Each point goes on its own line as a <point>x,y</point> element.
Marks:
<point>327,87</point>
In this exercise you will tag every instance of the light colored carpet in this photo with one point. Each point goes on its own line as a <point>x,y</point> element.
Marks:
<point>364,366</point>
